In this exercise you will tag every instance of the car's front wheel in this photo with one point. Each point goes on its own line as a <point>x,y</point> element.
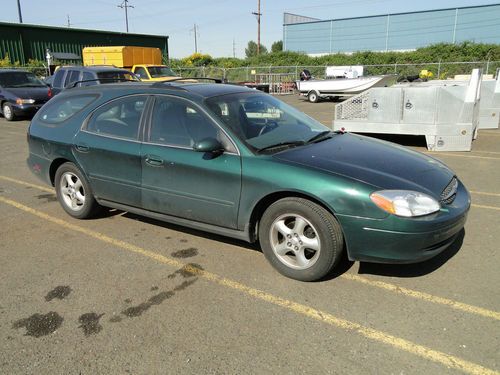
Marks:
<point>301,239</point>
<point>8,112</point>
<point>74,192</point>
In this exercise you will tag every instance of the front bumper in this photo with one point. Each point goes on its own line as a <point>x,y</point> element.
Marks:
<point>405,240</point>
<point>28,110</point>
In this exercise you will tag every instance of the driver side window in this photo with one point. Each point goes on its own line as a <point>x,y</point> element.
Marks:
<point>177,122</point>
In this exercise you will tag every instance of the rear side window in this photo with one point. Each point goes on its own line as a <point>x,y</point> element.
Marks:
<point>61,109</point>
<point>58,79</point>
<point>119,118</point>
<point>89,77</point>
<point>71,77</point>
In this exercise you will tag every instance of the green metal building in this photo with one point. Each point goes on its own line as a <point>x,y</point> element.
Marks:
<point>22,42</point>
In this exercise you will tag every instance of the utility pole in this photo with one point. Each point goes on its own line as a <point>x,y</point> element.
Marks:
<point>195,29</point>
<point>258,14</point>
<point>234,48</point>
<point>19,11</point>
<point>68,21</point>
<point>125,6</point>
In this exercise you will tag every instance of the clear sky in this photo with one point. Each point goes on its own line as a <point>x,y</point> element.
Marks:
<point>219,21</point>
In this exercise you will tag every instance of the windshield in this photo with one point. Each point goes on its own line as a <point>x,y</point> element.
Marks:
<point>161,71</point>
<point>262,121</point>
<point>114,76</point>
<point>20,79</point>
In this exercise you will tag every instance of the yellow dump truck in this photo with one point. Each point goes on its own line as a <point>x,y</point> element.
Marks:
<point>146,62</point>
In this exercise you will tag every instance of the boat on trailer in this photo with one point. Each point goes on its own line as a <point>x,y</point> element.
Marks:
<point>350,83</point>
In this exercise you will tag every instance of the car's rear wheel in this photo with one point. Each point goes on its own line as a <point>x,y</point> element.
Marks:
<point>74,192</point>
<point>8,112</point>
<point>301,239</point>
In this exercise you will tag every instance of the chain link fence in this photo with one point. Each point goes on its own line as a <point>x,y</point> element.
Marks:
<point>440,70</point>
<point>268,74</point>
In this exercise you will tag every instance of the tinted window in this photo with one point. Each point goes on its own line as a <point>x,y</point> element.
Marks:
<point>120,118</point>
<point>20,79</point>
<point>71,77</point>
<point>87,76</point>
<point>177,122</point>
<point>115,76</point>
<point>58,78</point>
<point>160,71</point>
<point>61,109</point>
<point>141,72</point>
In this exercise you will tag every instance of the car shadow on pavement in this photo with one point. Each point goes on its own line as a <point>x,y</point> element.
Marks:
<point>414,269</point>
<point>194,232</point>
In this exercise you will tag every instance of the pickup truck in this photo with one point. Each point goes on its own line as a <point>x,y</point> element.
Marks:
<point>150,72</point>
<point>145,62</point>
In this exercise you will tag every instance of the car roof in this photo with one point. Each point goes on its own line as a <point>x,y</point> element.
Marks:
<point>212,89</point>
<point>203,90</point>
<point>2,71</point>
<point>97,68</point>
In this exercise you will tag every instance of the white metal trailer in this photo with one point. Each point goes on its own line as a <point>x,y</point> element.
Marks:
<point>446,115</point>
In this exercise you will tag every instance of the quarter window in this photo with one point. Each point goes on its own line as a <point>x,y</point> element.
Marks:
<point>89,77</point>
<point>119,118</point>
<point>61,109</point>
<point>176,122</point>
<point>58,79</point>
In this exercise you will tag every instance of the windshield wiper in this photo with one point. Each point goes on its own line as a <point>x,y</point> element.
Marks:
<point>321,136</point>
<point>283,145</point>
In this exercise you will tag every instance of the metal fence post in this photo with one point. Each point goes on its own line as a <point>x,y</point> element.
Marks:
<point>488,65</point>
<point>439,69</point>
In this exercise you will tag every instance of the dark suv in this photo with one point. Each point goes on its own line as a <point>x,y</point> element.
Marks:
<point>66,76</point>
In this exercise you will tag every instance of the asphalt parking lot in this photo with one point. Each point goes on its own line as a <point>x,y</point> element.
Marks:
<point>125,294</point>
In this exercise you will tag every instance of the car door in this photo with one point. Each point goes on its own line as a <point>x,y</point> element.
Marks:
<point>108,149</point>
<point>178,181</point>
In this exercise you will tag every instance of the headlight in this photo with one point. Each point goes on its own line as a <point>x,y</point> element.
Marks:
<point>24,101</point>
<point>405,203</point>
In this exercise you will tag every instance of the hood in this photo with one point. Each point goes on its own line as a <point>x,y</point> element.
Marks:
<point>40,94</point>
<point>378,163</point>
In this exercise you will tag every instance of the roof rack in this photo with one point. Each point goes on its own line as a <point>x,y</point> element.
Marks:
<point>161,83</point>
<point>74,84</point>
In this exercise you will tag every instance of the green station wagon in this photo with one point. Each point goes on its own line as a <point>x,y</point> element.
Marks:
<point>238,162</point>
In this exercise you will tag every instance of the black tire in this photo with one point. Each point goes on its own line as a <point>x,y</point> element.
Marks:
<point>67,194</point>
<point>318,226</point>
<point>8,112</point>
<point>313,97</point>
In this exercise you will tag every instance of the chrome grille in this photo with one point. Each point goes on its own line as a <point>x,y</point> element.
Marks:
<point>450,191</point>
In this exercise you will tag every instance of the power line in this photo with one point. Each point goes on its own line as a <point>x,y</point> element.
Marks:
<point>125,6</point>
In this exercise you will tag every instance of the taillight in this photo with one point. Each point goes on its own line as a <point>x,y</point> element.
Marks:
<point>49,93</point>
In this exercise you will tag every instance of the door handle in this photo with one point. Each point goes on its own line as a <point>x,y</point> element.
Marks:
<point>82,147</point>
<point>153,160</point>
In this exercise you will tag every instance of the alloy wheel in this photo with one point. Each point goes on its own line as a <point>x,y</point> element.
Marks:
<point>295,241</point>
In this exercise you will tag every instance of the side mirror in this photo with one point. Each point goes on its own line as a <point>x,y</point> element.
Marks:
<point>211,145</point>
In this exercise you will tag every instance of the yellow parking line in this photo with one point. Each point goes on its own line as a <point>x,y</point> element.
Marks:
<point>436,154</point>
<point>425,296</point>
<point>486,152</point>
<point>39,187</point>
<point>310,312</point>
<point>484,193</point>
<point>391,287</point>
<point>486,207</point>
